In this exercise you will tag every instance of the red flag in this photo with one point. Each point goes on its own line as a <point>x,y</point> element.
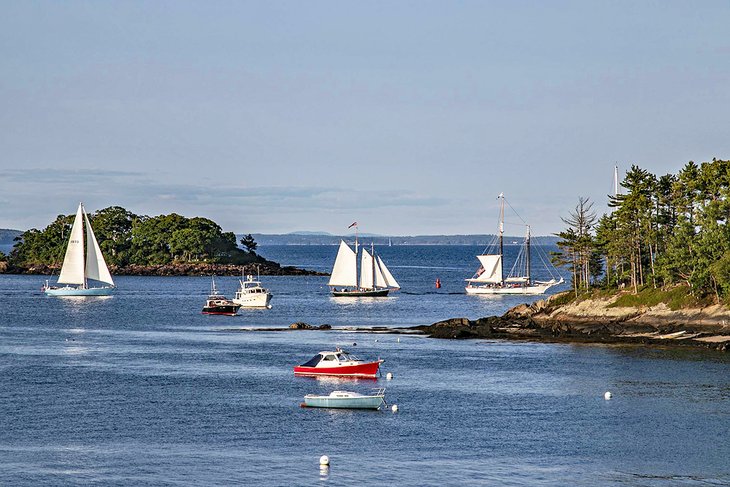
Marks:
<point>354,224</point>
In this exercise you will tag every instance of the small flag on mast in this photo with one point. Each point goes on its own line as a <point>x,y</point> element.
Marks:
<point>354,224</point>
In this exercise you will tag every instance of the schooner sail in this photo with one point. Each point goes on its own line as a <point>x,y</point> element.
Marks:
<point>77,271</point>
<point>490,278</point>
<point>373,279</point>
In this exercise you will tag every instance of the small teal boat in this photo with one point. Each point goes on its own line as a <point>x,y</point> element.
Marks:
<point>346,400</point>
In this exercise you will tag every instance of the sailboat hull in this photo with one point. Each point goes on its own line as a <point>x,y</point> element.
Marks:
<point>534,289</point>
<point>74,291</point>
<point>356,293</point>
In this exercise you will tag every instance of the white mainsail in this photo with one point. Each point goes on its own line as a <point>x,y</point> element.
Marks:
<point>371,275</point>
<point>492,264</point>
<point>95,265</point>
<point>366,270</point>
<point>72,271</point>
<point>389,279</point>
<point>344,272</point>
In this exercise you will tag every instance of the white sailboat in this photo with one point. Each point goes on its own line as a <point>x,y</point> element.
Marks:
<point>373,279</point>
<point>77,271</point>
<point>490,278</point>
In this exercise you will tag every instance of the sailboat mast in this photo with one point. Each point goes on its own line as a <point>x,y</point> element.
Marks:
<point>528,255</point>
<point>501,234</point>
<point>84,247</point>
<point>372,251</point>
<point>356,259</point>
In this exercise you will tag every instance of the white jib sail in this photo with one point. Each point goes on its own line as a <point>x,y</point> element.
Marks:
<point>379,277</point>
<point>344,273</point>
<point>492,269</point>
<point>72,271</point>
<point>95,265</point>
<point>366,270</point>
<point>389,279</point>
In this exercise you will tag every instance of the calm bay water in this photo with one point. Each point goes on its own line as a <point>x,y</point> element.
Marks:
<point>142,389</point>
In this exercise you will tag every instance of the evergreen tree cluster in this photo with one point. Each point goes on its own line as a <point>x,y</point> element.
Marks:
<point>129,239</point>
<point>663,231</point>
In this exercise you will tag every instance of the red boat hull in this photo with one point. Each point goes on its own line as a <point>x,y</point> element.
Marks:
<point>369,369</point>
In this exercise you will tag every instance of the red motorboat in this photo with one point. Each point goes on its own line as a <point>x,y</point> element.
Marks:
<point>338,363</point>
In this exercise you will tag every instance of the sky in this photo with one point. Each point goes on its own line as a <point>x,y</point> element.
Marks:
<point>407,117</point>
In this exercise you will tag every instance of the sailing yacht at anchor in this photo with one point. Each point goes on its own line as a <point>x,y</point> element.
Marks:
<point>490,278</point>
<point>75,272</point>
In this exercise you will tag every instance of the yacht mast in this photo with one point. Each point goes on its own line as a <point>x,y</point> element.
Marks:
<point>501,233</point>
<point>372,252</point>
<point>528,255</point>
<point>356,281</point>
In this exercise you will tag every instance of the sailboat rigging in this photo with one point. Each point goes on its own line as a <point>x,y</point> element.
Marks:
<point>77,271</point>
<point>490,278</point>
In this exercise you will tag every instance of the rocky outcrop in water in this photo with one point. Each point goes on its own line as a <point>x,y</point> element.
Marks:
<point>306,326</point>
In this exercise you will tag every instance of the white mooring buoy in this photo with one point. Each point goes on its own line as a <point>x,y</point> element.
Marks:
<point>398,340</point>
<point>324,461</point>
<point>394,408</point>
<point>389,376</point>
<point>607,396</point>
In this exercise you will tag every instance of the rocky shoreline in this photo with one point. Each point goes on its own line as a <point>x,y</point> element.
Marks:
<point>588,322</point>
<point>597,321</point>
<point>267,268</point>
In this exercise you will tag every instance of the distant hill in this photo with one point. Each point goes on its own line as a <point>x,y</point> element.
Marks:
<point>7,239</point>
<point>302,238</point>
<point>7,236</point>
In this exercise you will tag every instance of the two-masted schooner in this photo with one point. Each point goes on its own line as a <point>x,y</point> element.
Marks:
<point>490,278</point>
<point>77,271</point>
<point>373,279</point>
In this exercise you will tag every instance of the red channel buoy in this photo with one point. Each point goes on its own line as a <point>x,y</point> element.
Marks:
<point>438,283</point>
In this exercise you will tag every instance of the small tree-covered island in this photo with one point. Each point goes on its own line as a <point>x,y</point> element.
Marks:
<point>145,245</point>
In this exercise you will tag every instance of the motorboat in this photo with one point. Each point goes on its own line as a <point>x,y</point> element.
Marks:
<point>251,294</point>
<point>217,304</point>
<point>346,400</point>
<point>338,363</point>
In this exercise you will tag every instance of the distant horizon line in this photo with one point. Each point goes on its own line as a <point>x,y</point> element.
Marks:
<point>366,235</point>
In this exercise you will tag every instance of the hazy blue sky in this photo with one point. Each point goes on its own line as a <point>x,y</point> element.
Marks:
<point>409,117</point>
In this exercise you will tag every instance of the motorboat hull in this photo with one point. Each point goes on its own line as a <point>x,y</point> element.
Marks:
<point>74,291</point>
<point>365,370</point>
<point>221,310</point>
<point>374,293</point>
<point>254,300</point>
<point>352,402</point>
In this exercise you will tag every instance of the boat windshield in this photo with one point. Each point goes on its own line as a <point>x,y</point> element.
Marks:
<point>347,357</point>
<point>313,361</point>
